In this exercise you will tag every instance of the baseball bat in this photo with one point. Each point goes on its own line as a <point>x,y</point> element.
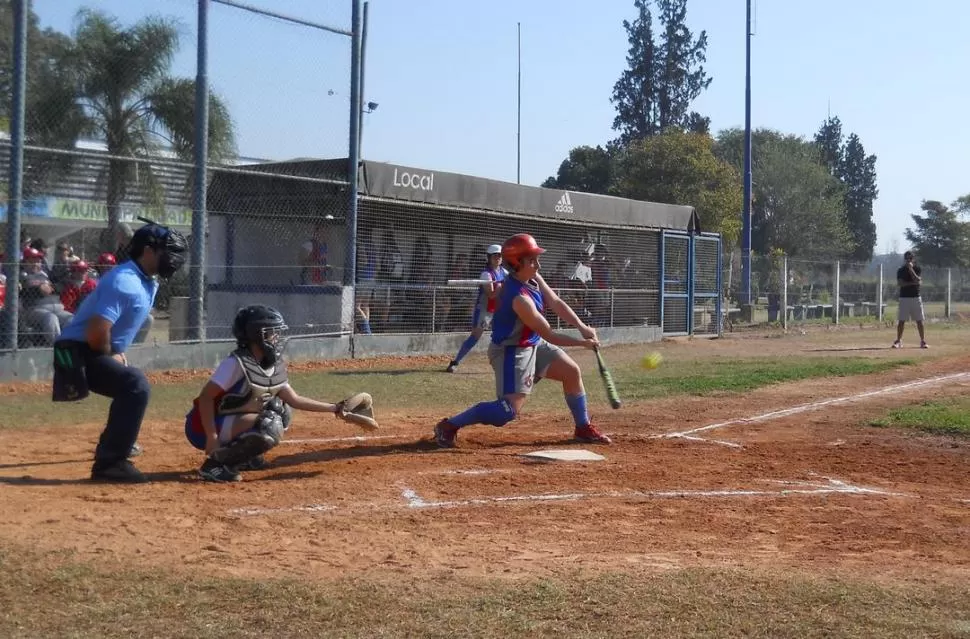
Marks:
<point>611,393</point>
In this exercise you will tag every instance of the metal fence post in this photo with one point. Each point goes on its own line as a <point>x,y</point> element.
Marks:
<point>784,292</point>
<point>879,296</point>
<point>16,176</point>
<point>949,288</point>
<point>836,302</point>
<point>434,308</point>
<point>612,295</point>
<point>197,263</point>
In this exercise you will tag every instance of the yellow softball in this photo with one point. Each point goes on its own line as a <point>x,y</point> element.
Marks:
<point>651,360</point>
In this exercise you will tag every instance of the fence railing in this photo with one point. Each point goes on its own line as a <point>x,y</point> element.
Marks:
<point>796,291</point>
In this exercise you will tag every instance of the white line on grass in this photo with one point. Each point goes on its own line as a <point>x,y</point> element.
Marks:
<point>413,501</point>
<point>785,412</point>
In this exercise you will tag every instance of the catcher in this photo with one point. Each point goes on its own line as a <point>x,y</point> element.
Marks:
<point>246,405</point>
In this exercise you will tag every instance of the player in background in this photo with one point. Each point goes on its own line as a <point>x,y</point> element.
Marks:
<point>246,405</point>
<point>78,286</point>
<point>485,304</point>
<point>524,349</point>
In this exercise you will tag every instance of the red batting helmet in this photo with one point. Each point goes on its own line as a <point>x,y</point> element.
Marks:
<point>32,254</point>
<point>80,267</point>
<point>106,259</point>
<point>518,247</point>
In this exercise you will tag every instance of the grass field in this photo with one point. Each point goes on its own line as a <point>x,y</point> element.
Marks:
<point>171,560</point>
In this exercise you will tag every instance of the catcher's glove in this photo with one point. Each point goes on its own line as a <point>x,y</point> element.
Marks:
<point>359,410</point>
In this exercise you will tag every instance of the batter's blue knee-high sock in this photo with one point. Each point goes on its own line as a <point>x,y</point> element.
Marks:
<point>577,406</point>
<point>495,413</point>
<point>466,347</point>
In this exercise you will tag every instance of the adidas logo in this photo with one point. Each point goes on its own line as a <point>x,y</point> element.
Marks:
<point>564,205</point>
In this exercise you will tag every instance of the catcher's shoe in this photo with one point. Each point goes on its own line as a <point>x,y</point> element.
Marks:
<point>256,463</point>
<point>445,434</point>
<point>212,470</point>
<point>590,435</point>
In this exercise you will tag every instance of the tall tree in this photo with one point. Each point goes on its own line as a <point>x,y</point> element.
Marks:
<point>829,143</point>
<point>635,93</point>
<point>796,203</point>
<point>940,237</point>
<point>53,117</point>
<point>680,168</point>
<point>587,169</point>
<point>133,103</point>
<point>662,80</point>
<point>858,174</point>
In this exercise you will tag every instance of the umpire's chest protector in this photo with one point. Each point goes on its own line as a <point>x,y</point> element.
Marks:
<point>258,386</point>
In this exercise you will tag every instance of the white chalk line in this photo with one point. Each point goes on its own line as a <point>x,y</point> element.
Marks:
<point>413,501</point>
<point>355,438</point>
<point>807,407</point>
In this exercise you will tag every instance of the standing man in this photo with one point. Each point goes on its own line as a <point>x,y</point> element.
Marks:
<point>89,355</point>
<point>909,277</point>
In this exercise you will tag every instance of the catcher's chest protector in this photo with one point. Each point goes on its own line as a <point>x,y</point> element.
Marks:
<point>258,386</point>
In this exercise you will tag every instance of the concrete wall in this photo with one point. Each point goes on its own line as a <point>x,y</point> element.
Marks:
<point>35,364</point>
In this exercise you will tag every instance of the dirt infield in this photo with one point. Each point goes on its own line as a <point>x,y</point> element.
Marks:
<point>815,488</point>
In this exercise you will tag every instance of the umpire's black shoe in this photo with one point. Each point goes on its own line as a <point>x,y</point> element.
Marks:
<point>122,472</point>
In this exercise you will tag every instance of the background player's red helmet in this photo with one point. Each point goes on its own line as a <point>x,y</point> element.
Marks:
<point>31,253</point>
<point>80,267</point>
<point>518,247</point>
<point>107,259</point>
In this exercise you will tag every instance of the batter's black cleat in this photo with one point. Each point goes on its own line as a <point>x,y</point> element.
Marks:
<point>122,472</point>
<point>212,470</point>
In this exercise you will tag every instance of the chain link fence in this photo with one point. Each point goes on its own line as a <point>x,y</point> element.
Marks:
<point>792,292</point>
<point>110,136</point>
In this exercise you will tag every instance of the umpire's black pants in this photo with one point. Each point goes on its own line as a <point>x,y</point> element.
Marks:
<point>129,391</point>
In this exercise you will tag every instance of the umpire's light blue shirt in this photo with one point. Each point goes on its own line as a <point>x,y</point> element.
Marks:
<point>123,296</point>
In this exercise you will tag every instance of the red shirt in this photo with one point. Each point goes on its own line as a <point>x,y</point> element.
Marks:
<point>73,294</point>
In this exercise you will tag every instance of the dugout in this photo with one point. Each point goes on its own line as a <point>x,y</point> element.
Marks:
<point>622,262</point>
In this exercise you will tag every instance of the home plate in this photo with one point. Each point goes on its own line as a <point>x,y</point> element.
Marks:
<point>564,455</point>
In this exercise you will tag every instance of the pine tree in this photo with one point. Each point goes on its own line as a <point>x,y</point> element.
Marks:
<point>829,143</point>
<point>662,80</point>
<point>940,238</point>
<point>858,173</point>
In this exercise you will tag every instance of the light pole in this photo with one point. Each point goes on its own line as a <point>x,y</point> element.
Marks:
<point>746,215</point>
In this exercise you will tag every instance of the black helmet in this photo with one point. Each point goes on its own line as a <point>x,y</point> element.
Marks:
<point>263,326</point>
<point>169,243</point>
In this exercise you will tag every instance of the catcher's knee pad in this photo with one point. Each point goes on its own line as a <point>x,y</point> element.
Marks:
<point>497,413</point>
<point>281,408</point>
<point>270,424</point>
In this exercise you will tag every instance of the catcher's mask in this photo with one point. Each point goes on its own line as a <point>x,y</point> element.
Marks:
<point>169,244</point>
<point>263,326</point>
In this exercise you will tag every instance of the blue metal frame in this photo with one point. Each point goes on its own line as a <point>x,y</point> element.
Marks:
<point>663,281</point>
<point>716,294</point>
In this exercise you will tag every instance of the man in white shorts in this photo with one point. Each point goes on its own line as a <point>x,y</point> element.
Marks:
<point>909,276</point>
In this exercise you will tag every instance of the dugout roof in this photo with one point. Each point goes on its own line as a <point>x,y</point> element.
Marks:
<point>424,186</point>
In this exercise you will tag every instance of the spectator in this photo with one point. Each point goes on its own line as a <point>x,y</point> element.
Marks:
<point>392,274</point>
<point>106,262</point>
<point>366,278</point>
<point>44,314</point>
<point>909,277</point>
<point>77,287</point>
<point>3,281</point>
<point>64,258</point>
<point>315,256</point>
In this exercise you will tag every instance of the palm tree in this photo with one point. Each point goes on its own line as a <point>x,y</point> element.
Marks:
<point>135,106</point>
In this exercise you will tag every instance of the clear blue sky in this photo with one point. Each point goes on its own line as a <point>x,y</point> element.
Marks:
<point>444,75</point>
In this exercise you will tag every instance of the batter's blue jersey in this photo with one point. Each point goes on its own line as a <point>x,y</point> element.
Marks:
<point>507,328</point>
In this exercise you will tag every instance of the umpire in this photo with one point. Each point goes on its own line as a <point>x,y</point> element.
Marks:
<point>89,355</point>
